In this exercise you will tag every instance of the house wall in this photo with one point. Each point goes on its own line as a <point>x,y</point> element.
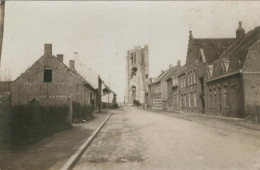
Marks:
<point>251,81</point>
<point>64,84</point>
<point>164,94</point>
<point>251,84</point>
<point>225,97</point>
<point>156,96</point>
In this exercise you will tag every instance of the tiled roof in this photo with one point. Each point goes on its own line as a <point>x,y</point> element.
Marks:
<point>166,74</point>
<point>161,76</point>
<point>212,47</point>
<point>236,54</point>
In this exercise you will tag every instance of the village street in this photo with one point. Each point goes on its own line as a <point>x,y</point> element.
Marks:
<point>138,139</point>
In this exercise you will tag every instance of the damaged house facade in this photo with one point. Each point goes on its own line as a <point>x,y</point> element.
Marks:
<point>234,78</point>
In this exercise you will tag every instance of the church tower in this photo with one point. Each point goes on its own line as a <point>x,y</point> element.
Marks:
<point>137,75</point>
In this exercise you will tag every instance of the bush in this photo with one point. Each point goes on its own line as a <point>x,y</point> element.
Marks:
<point>24,125</point>
<point>81,112</point>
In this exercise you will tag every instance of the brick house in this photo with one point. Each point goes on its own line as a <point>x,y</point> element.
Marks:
<point>234,78</point>
<point>200,54</point>
<point>158,88</point>
<point>173,88</point>
<point>51,83</point>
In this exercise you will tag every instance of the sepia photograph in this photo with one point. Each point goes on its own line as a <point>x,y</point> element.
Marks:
<point>129,85</point>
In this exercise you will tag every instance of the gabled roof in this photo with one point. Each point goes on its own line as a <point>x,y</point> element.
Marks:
<point>74,73</point>
<point>166,74</point>
<point>212,47</point>
<point>235,55</point>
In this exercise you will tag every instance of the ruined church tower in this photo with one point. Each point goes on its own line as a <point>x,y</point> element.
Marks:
<point>137,75</point>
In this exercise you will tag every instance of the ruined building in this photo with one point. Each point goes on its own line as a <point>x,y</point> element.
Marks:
<point>137,75</point>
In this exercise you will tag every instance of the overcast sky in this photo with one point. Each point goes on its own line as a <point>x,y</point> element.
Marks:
<point>102,32</point>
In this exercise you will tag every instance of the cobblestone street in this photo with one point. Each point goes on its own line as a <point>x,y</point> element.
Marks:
<point>137,139</point>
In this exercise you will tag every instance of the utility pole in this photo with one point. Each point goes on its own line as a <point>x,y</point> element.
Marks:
<point>2,13</point>
<point>109,88</point>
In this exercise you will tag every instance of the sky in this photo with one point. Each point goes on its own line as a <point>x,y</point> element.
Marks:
<point>102,32</point>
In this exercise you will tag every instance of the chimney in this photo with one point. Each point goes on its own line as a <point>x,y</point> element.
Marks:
<point>170,65</point>
<point>240,31</point>
<point>72,65</point>
<point>60,57</point>
<point>178,63</point>
<point>191,36</point>
<point>47,49</point>
<point>76,54</point>
<point>240,24</point>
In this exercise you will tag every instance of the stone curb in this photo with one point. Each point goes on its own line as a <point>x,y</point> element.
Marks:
<point>76,156</point>
<point>211,116</point>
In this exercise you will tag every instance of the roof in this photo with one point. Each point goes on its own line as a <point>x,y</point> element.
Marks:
<point>87,73</point>
<point>75,73</point>
<point>235,55</point>
<point>166,74</point>
<point>212,47</point>
<point>108,88</point>
<point>182,70</point>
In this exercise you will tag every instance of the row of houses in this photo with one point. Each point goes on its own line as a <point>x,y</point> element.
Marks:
<point>50,82</point>
<point>221,76</point>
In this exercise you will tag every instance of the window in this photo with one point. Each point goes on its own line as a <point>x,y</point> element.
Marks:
<point>210,98</point>
<point>134,70</point>
<point>177,99</point>
<point>188,79</point>
<point>134,60</point>
<point>47,75</point>
<point>189,99</point>
<point>225,96</point>
<point>191,80</point>
<point>195,101</point>
<point>194,77</point>
<point>184,97</point>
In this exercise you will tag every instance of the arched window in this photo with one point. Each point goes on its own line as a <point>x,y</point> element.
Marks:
<point>47,77</point>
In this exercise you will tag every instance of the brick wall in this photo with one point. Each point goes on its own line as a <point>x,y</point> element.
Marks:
<point>64,84</point>
<point>225,97</point>
<point>251,83</point>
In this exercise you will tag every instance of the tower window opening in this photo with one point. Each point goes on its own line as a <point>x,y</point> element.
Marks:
<point>134,70</point>
<point>133,58</point>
